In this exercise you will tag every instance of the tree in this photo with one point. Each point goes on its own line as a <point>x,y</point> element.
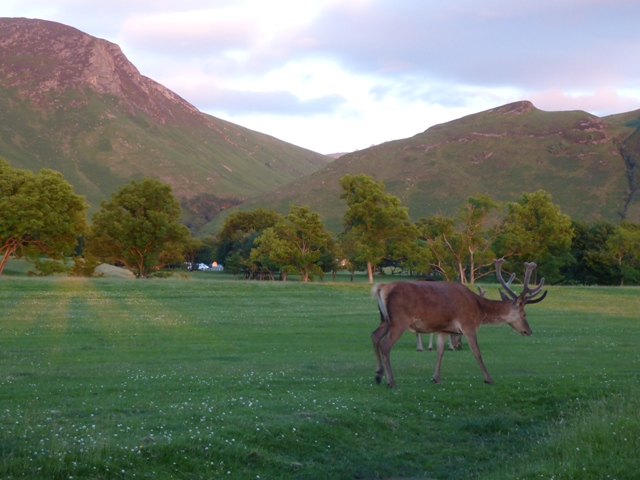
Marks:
<point>139,228</point>
<point>376,221</point>
<point>460,245</point>
<point>237,229</point>
<point>593,265</point>
<point>39,214</point>
<point>624,246</point>
<point>190,251</point>
<point>298,242</point>
<point>535,229</point>
<point>477,236</point>
<point>440,237</point>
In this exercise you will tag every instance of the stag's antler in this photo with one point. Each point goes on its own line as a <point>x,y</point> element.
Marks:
<point>506,285</point>
<point>527,293</point>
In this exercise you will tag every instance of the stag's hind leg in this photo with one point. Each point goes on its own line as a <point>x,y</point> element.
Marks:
<point>385,348</point>
<point>376,337</point>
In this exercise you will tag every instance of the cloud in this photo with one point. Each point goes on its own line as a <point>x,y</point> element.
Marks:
<point>239,102</point>
<point>565,44</point>
<point>197,32</point>
<point>604,101</point>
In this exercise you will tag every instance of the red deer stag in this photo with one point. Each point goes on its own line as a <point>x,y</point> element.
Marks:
<point>455,340</point>
<point>446,308</point>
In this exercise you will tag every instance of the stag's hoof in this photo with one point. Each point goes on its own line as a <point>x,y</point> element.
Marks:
<point>436,380</point>
<point>378,379</point>
<point>392,385</point>
<point>419,349</point>
<point>489,382</point>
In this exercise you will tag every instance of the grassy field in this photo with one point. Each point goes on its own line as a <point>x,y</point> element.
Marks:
<point>209,377</point>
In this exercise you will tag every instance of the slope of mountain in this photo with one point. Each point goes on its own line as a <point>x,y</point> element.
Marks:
<point>587,163</point>
<point>74,103</point>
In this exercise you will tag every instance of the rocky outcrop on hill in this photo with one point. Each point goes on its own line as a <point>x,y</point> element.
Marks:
<point>51,59</point>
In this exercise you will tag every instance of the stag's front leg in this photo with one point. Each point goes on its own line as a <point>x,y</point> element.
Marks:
<point>419,345</point>
<point>440,343</point>
<point>473,343</point>
<point>430,347</point>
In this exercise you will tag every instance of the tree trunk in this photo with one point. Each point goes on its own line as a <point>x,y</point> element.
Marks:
<point>7,253</point>
<point>370,272</point>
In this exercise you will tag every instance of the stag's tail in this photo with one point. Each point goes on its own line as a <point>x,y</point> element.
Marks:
<point>376,292</point>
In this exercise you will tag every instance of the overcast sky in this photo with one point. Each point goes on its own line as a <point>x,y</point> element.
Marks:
<point>341,75</point>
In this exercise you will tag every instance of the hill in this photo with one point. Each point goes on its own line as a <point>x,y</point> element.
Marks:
<point>74,103</point>
<point>587,163</point>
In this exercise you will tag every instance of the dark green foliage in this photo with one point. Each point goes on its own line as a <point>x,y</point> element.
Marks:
<point>39,215</point>
<point>592,265</point>
<point>139,228</point>
<point>85,266</point>
<point>46,267</point>
<point>376,225</point>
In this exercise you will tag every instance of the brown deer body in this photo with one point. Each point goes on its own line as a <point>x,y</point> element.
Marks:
<point>455,341</point>
<point>445,308</point>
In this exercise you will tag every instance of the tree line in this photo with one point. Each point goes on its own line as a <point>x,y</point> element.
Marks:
<point>139,228</point>
<point>378,234</point>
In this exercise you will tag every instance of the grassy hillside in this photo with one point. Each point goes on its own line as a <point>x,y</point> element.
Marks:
<point>577,157</point>
<point>74,103</point>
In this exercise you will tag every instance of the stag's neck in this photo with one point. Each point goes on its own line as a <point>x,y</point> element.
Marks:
<point>495,311</point>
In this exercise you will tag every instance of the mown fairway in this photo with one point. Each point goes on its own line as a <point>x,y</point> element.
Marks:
<point>214,378</point>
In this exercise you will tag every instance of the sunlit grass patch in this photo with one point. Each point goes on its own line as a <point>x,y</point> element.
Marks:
<point>209,378</point>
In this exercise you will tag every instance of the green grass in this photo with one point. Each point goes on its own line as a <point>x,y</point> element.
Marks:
<point>215,378</point>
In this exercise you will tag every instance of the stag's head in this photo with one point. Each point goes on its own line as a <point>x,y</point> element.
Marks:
<point>516,316</point>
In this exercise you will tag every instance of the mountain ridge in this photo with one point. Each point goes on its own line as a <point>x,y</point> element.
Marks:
<point>504,151</point>
<point>74,103</point>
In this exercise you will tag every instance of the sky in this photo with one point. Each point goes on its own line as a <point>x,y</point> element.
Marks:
<point>342,75</point>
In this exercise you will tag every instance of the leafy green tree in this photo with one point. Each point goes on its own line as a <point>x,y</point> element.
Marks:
<point>624,246</point>
<point>461,245</point>
<point>240,229</point>
<point>85,266</point>
<point>234,264</point>
<point>376,222</point>
<point>441,239</point>
<point>535,229</point>
<point>263,258</point>
<point>190,251</point>
<point>593,263</point>
<point>298,242</point>
<point>139,228</point>
<point>39,214</point>
<point>477,236</point>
